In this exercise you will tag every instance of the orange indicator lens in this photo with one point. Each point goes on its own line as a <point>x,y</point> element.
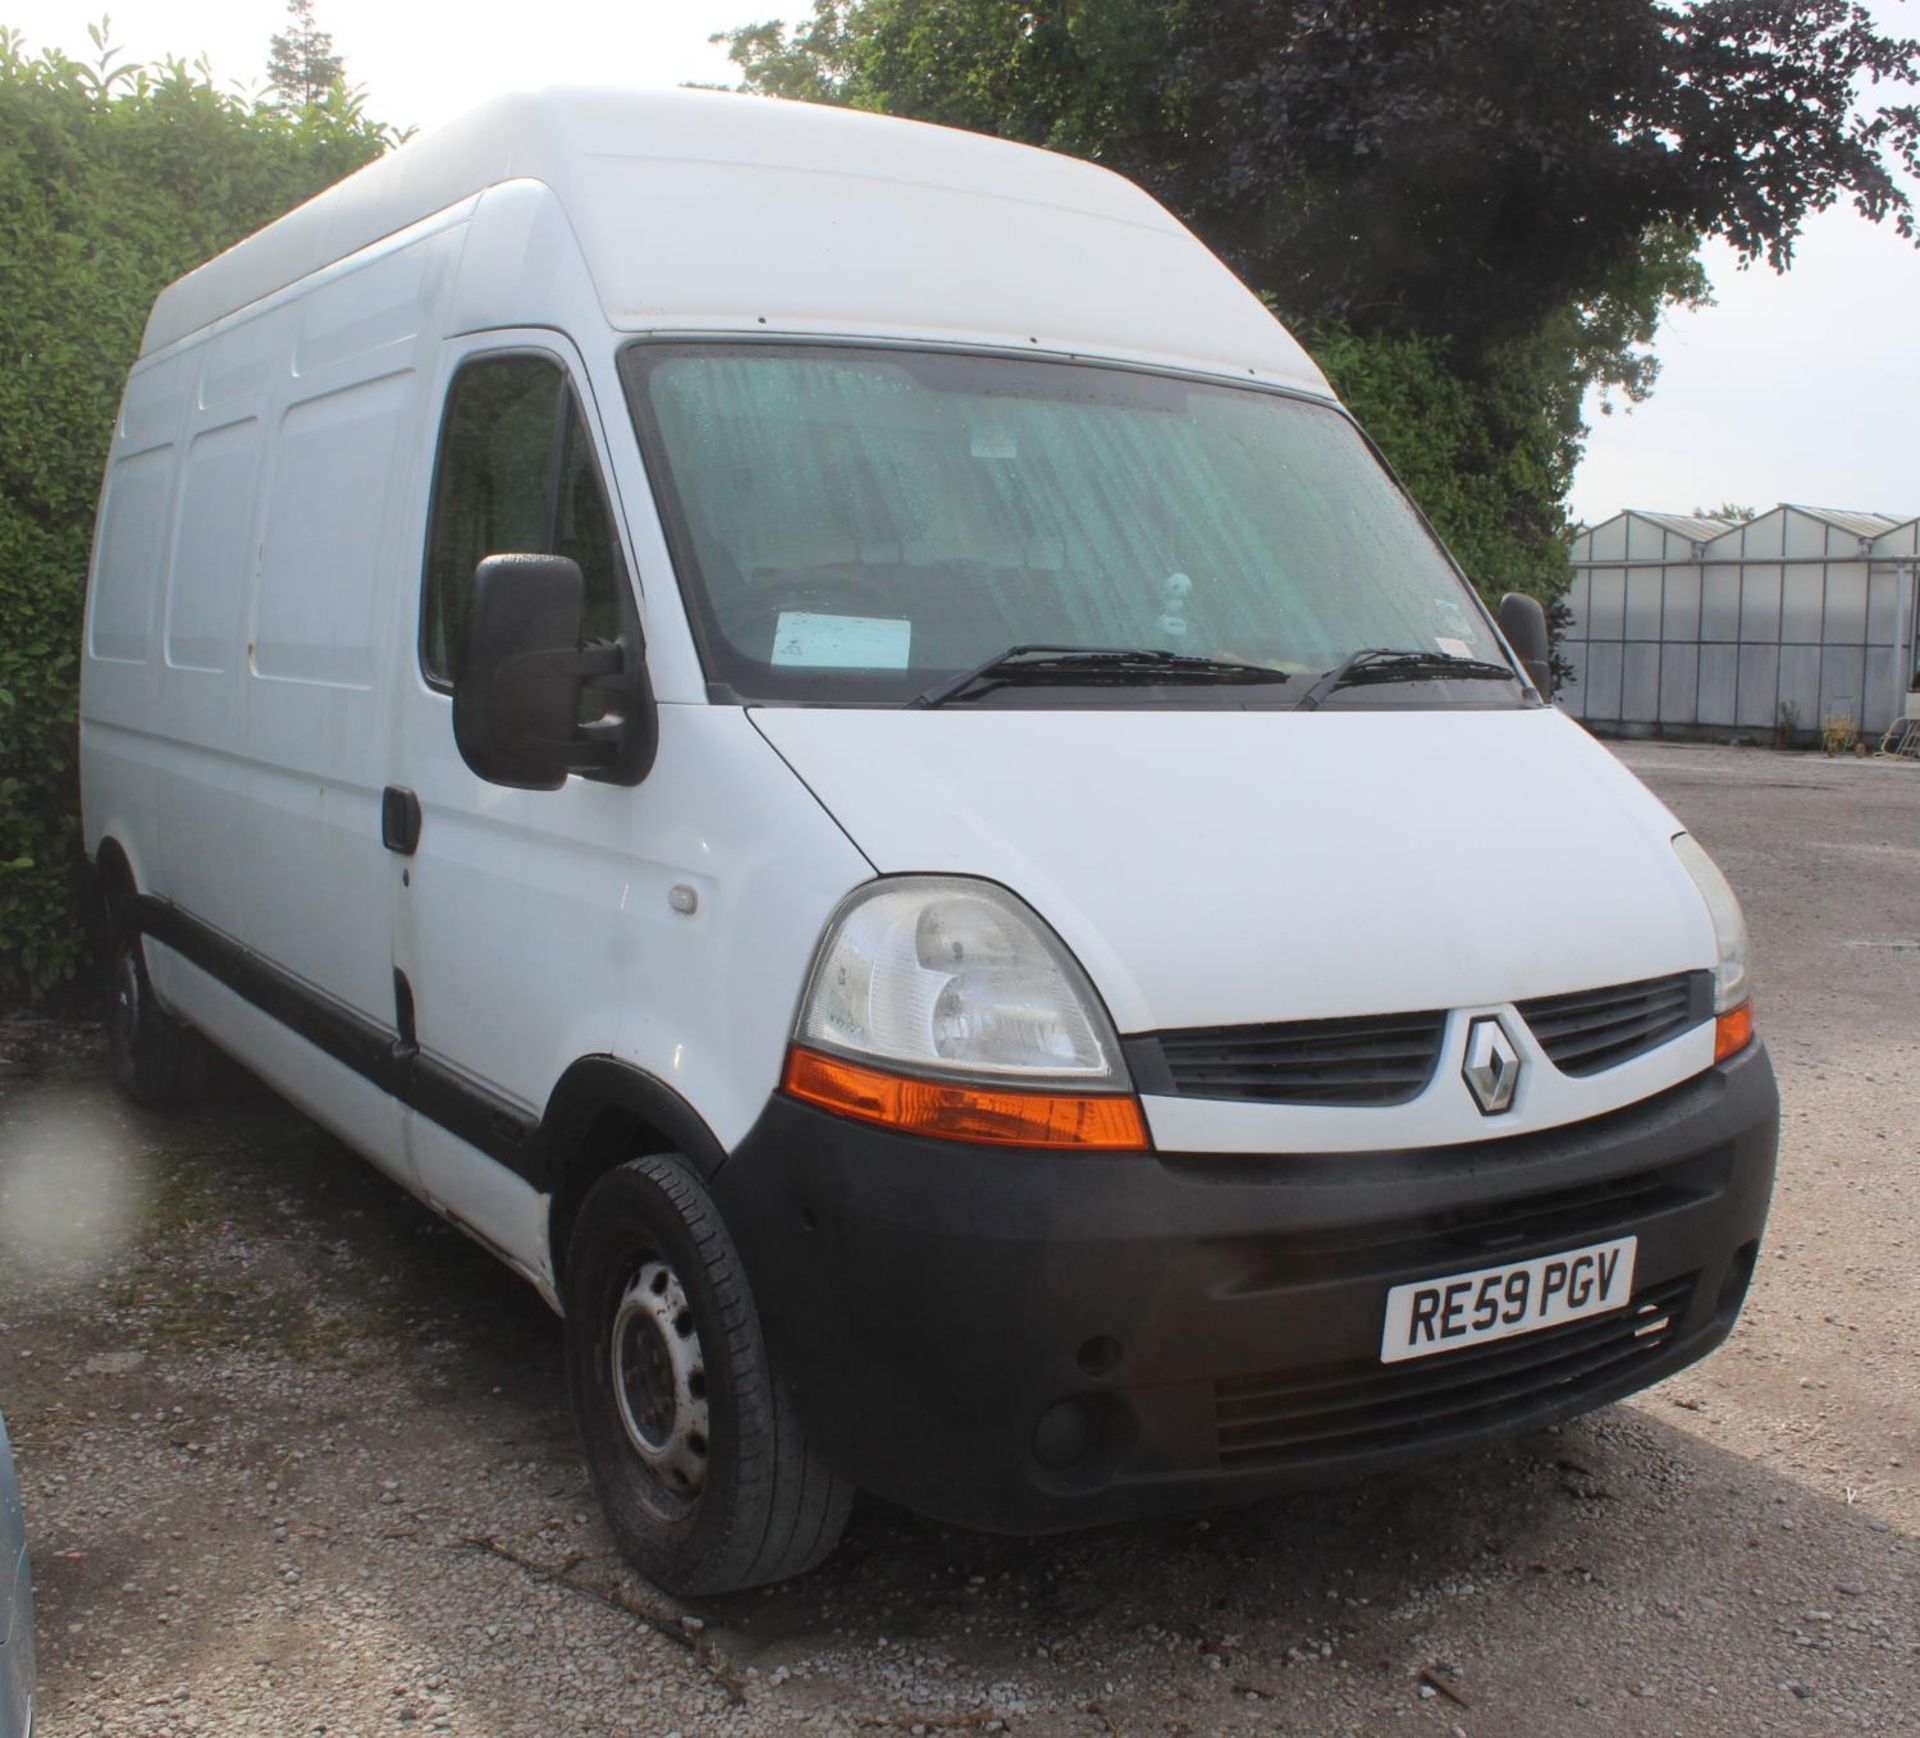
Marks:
<point>1102,1122</point>
<point>1733,1032</point>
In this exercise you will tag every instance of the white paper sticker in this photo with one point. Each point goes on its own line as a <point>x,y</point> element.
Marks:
<point>1454,648</point>
<point>841,642</point>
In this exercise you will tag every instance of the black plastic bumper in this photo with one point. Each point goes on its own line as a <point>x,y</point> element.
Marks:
<point>1022,1342</point>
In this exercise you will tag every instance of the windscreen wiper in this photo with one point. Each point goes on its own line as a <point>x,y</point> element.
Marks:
<point>1091,665</point>
<point>1392,664</point>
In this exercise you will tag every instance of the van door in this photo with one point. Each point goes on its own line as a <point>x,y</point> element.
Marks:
<point>507,901</point>
<point>304,748</point>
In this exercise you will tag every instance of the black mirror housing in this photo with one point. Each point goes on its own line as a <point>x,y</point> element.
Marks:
<point>1524,623</point>
<point>523,671</point>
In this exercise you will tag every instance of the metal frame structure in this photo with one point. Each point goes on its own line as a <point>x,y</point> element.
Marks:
<point>1802,617</point>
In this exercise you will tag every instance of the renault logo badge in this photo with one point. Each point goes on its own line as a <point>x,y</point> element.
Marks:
<point>1492,1069</point>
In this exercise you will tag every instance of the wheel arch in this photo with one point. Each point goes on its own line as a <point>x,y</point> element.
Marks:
<point>112,886</point>
<point>603,1112</point>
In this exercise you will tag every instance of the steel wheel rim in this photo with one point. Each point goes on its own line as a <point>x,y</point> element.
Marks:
<point>659,1379</point>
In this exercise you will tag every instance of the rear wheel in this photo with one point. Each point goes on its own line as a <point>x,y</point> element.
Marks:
<point>157,1060</point>
<point>698,1459</point>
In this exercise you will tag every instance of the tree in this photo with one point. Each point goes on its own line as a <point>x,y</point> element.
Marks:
<point>301,65</point>
<point>1469,167</point>
<point>113,182</point>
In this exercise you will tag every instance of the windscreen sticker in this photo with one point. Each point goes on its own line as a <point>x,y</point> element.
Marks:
<point>1453,648</point>
<point>841,642</point>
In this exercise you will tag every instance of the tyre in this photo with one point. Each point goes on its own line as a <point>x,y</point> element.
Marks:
<point>694,1449</point>
<point>157,1060</point>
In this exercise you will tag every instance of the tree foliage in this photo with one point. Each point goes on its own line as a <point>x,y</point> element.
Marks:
<point>113,182</point>
<point>302,68</point>
<point>1470,168</point>
<point>1474,211</point>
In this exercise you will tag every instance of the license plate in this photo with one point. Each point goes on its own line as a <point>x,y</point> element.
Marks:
<point>1495,1303</point>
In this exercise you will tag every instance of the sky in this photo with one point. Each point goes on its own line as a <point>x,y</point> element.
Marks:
<point>1803,387</point>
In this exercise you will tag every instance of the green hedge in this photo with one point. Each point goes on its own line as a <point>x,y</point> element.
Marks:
<point>112,184</point>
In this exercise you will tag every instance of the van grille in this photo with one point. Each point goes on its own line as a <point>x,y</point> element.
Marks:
<point>1476,1234</point>
<point>1593,1030</point>
<point>1381,1059</point>
<point>1377,1059</point>
<point>1283,1417</point>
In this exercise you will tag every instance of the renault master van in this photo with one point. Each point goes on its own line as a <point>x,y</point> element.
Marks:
<point>820,732</point>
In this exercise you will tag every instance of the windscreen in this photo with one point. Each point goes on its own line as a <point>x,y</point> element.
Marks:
<point>853,525</point>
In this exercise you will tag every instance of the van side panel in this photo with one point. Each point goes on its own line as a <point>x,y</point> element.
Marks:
<point>203,645</point>
<point>496,1205</point>
<point>131,535</point>
<point>336,548</point>
<point>208,573</point>
<point>266,474</point>
<point>119,677</point>
<point>337,1098</point>
<point>320,553</point>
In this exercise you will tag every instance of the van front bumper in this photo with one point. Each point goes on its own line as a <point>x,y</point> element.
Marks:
<point>1022,1342</point>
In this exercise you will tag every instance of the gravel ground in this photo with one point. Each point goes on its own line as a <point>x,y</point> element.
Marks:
<point>297,1458</point>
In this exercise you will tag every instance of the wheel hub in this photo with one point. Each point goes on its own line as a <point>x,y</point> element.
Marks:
<point>660,1379</point>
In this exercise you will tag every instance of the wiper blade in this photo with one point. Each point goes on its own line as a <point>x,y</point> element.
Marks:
<point>1392,664</point>
<point>1095,664</point>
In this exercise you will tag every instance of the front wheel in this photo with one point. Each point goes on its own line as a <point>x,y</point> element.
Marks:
<point>699,1461</point>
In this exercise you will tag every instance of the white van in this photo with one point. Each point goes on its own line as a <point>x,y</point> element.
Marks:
<point>821,732</point>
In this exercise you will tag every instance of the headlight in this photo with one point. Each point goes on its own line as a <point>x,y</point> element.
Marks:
<point>1733,973</point>
<point>956,977</point>
<point>945,1007</point>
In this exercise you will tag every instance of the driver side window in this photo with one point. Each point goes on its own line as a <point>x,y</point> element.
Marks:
<point>515,476</point>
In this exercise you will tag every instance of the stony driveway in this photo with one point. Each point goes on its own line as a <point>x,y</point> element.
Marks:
<point>298,1462</point>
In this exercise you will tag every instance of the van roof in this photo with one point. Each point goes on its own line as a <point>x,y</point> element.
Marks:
<point>714,210</point>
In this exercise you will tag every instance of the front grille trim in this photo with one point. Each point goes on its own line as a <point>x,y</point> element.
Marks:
<point>1484,1233</point>
<point>1278,1418</point>
<point>1380,1060</point>
<point>1374,1059</point>
<point>1586,1032</point>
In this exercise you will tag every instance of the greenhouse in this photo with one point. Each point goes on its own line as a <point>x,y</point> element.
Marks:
<point>1799,620</point>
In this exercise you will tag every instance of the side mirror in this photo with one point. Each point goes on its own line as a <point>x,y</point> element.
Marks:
<point>517,698</point>
<point>1524,623</point>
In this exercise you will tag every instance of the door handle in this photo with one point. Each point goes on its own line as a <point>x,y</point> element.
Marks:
<point>400,820</point>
